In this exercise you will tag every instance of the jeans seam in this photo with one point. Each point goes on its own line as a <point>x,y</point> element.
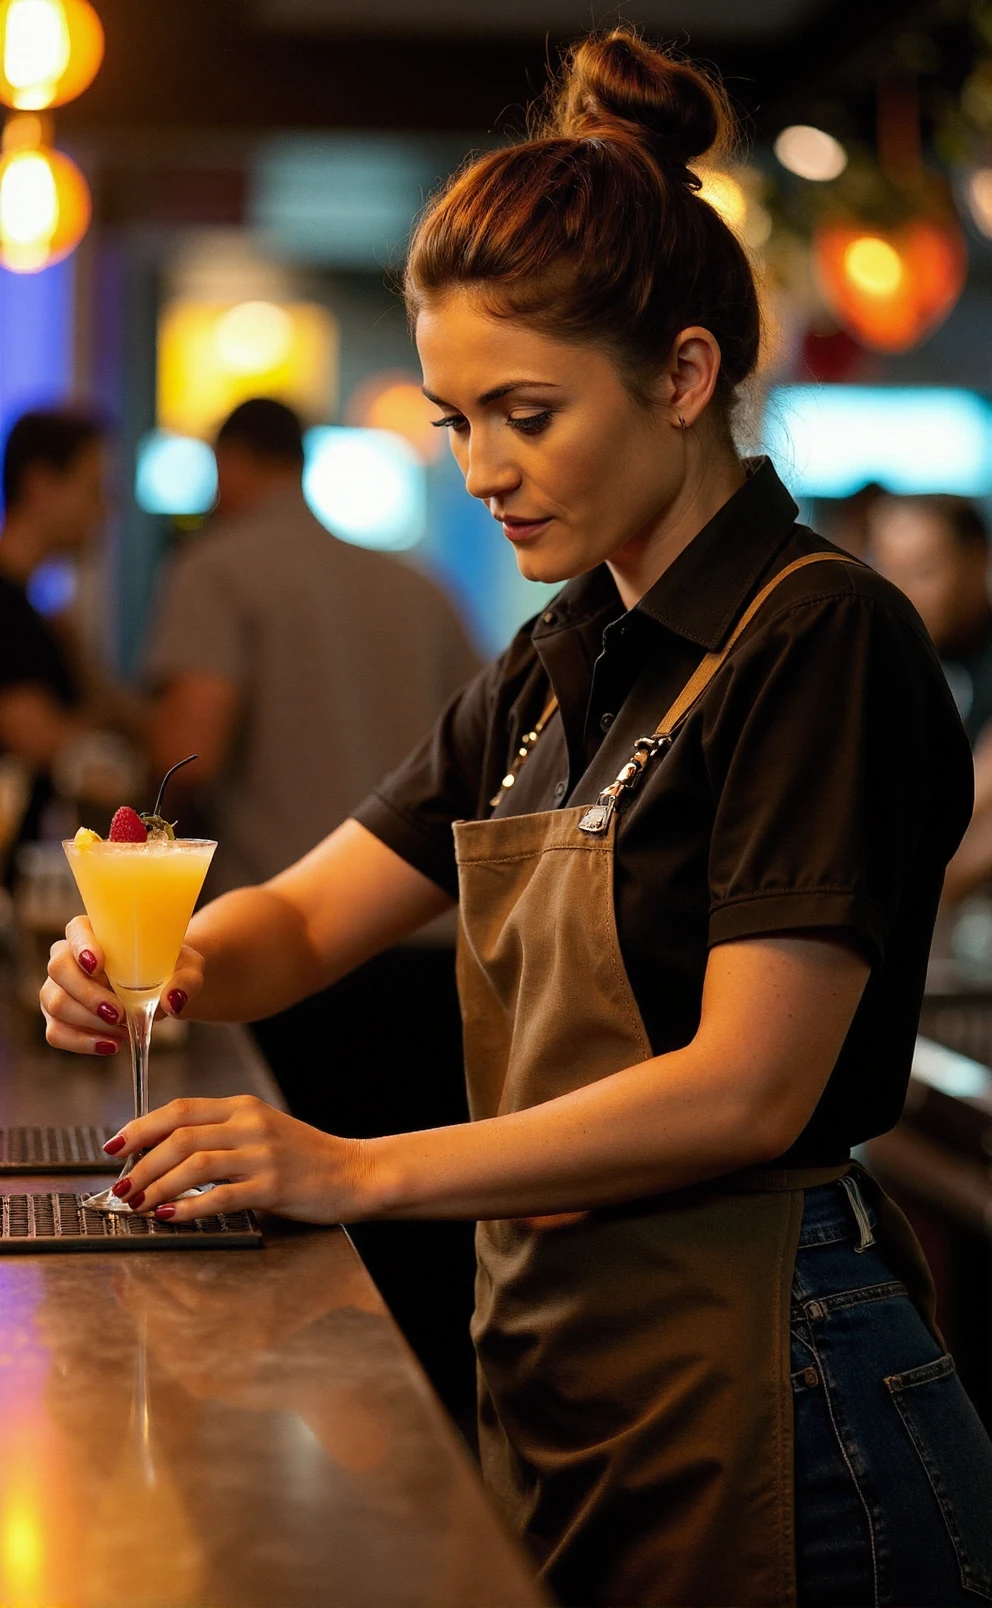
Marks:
<point>969,1581</point>
<point>851,1471</point>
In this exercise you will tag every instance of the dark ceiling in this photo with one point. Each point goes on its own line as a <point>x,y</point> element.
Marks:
<point>187,68</point>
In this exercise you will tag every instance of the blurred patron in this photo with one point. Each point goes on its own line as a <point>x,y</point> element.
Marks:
<point>296,666</point>
<point>51,702</point>
<point>299,669</point>
<point>936,550</point>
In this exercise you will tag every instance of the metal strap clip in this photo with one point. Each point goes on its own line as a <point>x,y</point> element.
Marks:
<point>597,819</point>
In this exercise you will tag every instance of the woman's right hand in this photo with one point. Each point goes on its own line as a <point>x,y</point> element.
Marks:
<point>82,1012</point>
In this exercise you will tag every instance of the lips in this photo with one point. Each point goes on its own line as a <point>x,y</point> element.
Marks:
<point>522,530</point>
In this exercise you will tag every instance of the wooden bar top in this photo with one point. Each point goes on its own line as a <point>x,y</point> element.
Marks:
<point>218,1429</point>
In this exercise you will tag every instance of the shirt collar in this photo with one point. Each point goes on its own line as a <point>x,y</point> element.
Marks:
<point>706,588</point>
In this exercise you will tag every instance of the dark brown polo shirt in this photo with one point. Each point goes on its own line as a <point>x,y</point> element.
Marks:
<point>823,781</point>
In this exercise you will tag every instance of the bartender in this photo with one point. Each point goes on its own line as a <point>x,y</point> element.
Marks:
<point>701,810</point>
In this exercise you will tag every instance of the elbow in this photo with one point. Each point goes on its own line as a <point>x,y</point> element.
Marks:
<point>772,1129</point>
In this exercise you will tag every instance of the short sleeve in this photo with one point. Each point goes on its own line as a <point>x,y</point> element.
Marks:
<point>413,810</point>
<point>200,623</point>
<point>822,796</point>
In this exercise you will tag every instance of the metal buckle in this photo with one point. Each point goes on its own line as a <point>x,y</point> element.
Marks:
<point>597,819</point>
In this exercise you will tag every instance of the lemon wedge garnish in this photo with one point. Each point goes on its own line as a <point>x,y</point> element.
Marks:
<point>85,838</point>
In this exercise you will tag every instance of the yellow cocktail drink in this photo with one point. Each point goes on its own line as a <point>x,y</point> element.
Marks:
<point>139,898</point>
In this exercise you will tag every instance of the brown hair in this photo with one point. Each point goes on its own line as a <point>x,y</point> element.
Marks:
<point>592,229</point>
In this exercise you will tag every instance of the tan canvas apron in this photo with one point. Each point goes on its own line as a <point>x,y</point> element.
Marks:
<point>635,1406</point>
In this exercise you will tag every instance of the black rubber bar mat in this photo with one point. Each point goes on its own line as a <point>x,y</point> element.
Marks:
<point>45,1150</point>
<point>58,1222</point>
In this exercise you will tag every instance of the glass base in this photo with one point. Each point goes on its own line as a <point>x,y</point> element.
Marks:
<point>107,1202</point>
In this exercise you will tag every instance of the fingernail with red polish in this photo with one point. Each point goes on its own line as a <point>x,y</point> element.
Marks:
<point>137,1201</point>
<point>121,1188</point>
<point>109,1013</point>
<point>105,1047</point>
<point>163,1213</point>
<point>115,1144</point>
<point>178,1000</point>
<point>87,960</point>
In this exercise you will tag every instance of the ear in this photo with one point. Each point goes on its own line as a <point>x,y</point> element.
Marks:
<point>690,375</point>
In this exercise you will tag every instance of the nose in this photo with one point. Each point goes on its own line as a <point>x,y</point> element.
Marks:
<point>487,469</point>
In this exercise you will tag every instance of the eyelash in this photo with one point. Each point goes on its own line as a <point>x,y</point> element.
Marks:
<point>532,424</point>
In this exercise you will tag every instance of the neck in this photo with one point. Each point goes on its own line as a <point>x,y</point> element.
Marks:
<point>22,547</point>
<point>710,480</point>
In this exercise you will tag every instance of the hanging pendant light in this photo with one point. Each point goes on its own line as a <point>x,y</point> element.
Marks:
<point>891,274</point>
<point>45,204</point>
<point>50,51</point>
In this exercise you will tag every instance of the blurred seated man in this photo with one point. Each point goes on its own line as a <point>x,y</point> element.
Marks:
<point>936,550</point>
<point>300,669</point>
<point>53,491</point>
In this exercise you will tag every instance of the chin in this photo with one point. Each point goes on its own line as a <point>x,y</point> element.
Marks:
<point>554,567</point>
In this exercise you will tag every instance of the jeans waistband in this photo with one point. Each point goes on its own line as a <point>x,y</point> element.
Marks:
<point>838,1211</point>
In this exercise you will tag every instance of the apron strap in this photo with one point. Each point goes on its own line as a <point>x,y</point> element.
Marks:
<point>597,819</point>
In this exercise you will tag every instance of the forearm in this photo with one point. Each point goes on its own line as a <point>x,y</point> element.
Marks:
<point>661,1125</point>
<point>258,959</point>
<point>267,947</point>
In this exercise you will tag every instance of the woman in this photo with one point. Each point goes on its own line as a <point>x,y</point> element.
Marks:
<point>691,962</point>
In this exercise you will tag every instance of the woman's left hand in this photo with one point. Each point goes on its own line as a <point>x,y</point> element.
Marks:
<point>268,1159</point>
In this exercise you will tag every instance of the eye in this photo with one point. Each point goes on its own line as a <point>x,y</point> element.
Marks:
<point>531,423</point>
<point>451,421</point>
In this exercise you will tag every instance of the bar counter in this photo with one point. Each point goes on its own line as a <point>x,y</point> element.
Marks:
<point>217,1429</point>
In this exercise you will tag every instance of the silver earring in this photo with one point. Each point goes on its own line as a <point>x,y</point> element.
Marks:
<point>682,423</point>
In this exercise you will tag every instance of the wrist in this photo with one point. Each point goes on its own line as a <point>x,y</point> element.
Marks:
<point>379,1178</point>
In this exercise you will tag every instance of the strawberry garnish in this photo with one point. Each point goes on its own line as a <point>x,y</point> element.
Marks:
<point>128,827</point>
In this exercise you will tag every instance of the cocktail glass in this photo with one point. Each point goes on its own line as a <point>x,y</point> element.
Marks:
<point>139,898</point>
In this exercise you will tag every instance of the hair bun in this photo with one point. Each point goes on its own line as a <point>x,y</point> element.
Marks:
<point>617,78</point>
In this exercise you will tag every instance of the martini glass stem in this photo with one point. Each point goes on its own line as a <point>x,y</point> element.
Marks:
<point>139,1030</point>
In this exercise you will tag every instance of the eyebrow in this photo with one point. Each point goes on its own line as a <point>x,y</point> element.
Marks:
<point>496,392</point>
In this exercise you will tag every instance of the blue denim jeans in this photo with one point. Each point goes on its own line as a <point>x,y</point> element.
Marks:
<point>893,1467</point>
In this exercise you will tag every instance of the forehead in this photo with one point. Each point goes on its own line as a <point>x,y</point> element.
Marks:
<point>463,345</point>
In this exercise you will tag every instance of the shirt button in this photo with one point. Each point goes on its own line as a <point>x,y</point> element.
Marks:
<point>606,721</point>
<point>559,790</point>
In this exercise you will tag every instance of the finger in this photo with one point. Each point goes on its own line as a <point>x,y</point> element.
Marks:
<point>178,1148</point>
<point>144,1132</point>
<point>64,970</point>
<point>79,1040</point>
<point>85,950</point>
<point>236,1197</point>
<point>205,1167</point>
<point>107,1020</point>
<point>185,982</point>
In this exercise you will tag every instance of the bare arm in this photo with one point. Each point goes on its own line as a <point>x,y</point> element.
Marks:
<point>775,1015</point>
<point>253,952</point>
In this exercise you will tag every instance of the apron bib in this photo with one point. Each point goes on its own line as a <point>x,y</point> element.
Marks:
<point>635,1398</point>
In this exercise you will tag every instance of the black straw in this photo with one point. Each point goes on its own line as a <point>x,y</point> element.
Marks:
<point>158,802</point>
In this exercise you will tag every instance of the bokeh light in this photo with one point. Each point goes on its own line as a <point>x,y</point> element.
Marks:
<point>50,51</point>
<point>214,355</point>
<point>393,400</point>
<point>366,486</point>
<point>979,191</point>
<point>872,265</point>
<point>810,153</point>
<point>44,206</point>
<point>830,440</point>
<point>174,474</point>
<point>253,337</point>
